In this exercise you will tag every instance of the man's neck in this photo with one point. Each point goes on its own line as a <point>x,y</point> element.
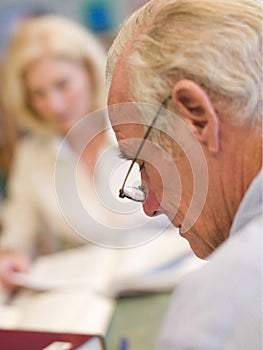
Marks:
<point>244,161</point>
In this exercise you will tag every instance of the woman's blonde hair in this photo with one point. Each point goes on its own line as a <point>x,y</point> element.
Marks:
<point>53,36</point>
<point>214,43</point>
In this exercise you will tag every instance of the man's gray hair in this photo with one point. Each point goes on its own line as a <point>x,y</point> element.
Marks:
<point>216,44</point>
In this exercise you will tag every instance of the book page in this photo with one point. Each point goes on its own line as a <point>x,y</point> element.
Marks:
<point>73,290</point>
<point>107,271</point>
<point>64,291</point>
<point>90,266</point>
<point>66,310</point>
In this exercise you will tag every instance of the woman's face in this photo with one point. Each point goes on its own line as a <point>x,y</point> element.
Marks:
<point>59,91</point>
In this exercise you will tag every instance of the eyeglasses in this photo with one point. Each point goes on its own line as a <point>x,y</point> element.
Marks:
<point>138,194</point>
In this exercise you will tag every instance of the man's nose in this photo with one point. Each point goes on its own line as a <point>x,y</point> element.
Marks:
<point>151,205</point>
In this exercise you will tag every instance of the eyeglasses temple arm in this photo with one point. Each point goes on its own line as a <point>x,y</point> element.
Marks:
<point>141,145</point>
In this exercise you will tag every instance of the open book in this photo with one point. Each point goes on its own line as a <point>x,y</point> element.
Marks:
<point>75,290</point>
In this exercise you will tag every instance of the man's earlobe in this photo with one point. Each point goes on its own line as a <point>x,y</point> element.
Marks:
<point>195,108</point>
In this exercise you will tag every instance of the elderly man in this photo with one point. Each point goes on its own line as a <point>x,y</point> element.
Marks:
<point>201,61</point>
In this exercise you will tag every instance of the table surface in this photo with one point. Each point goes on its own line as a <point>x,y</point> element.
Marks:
<point>138,319</point>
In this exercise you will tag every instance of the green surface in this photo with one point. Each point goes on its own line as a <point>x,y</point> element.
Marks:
<point>139,319</point>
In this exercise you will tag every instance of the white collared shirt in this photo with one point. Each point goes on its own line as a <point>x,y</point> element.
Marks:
<point>219,307</point>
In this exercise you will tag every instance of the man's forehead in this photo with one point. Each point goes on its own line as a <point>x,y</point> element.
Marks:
<point>129,137</point>
<point>118,92</point>
<point>121,109</point>
<point>126,131</point>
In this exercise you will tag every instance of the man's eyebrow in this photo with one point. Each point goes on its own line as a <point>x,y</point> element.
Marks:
<point>124,155</point>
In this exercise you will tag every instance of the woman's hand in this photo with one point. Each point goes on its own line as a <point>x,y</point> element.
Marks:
<point>10,262</point>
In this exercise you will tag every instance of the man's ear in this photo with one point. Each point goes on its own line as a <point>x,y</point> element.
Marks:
<point>194,106</point>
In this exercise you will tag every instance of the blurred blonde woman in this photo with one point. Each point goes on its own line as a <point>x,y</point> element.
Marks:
<point>60,194</point>
<point>54,76</point>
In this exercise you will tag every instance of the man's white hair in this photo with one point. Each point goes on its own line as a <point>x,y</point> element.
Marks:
<point>217,44</point>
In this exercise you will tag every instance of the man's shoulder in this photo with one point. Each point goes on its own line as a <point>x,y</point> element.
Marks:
<point>246,240</point>
<point>215,306</point>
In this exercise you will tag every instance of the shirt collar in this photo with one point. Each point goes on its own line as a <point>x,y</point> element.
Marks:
<point>251,205</point>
